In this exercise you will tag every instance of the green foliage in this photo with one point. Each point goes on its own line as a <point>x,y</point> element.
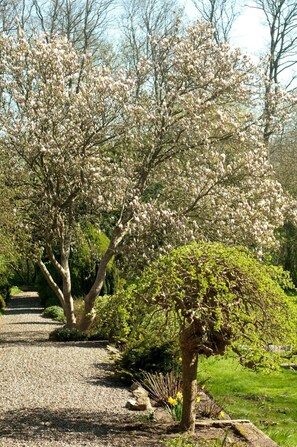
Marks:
<point>55,313</point>
<point>187,441</point>
<point>128,321</point>
<point>2,303</point>
<point>180,441</point>
<point>174,406</point>
<point>85,258</point>
<point>47,296</point>
<point>220,296</point>
<point>4,288</point>
<point>68,334</point>
<point>151,355</point>
<point>287,254</point>
<point>114,317</point>
<point>282,277</point>
<point>14,290</point>
<point>24,271</point>
<point>5,278</point>
<point>148,339</point>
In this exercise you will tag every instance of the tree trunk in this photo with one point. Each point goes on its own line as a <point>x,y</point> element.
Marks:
<point>63,270</point>
<point>69,312</point>
<point>189,378</point>
<point>88,315</point>
<point>66,277</point>
<point>68,299</point>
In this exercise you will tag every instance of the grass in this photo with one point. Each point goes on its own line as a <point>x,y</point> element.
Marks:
<point>269,400</point>
<point>15,290</point>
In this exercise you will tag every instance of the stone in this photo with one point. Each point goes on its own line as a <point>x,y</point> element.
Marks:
<point>140,401</point>
<point>134,386</point>
<point>134,405</point>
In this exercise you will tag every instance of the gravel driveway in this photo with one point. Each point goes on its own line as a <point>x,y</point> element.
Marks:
<point>54,394</point>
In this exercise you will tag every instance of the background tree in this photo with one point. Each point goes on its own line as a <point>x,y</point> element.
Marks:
<point>141,22</point>
<point>15,14</point>
<point>221,14</point>
<point>221,297</point>
<point>281,20</point>
<point>60,130</point>
<point>283,157</point>
<point>83,23</point>
<point>176,151</point>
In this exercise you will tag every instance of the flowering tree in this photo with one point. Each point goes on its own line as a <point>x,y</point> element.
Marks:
<point>220,297</point>
<point>55,118</point>
<point>221,14</point>
<point>168,154</point>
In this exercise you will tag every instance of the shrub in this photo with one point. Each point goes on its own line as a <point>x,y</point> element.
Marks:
<point>115,316</point>
<point>151,356</point>
<point>282,277</point>
<point>54,312</point>
<point>47,297</point>
<point>5,286</point>
<point>146,336</point>
<point>2,303</point>
<point>68,334</point>
<point>5,278</point>
<point>85,258</point>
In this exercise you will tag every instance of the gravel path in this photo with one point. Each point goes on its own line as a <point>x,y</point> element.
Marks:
<point>61,394</point>
<point>54,394</point>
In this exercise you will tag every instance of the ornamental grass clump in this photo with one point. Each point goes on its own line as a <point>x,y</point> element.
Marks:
<point>221,297</point>
<point>161,387</point>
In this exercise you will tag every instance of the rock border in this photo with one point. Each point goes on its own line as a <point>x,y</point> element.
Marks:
<point>243,427</point>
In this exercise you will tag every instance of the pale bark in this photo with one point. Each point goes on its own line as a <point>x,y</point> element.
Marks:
<point>66,277</point>
<point>88,315</point>
<point>51,282</point>
<point>189,378</point>
<point>63,269</point>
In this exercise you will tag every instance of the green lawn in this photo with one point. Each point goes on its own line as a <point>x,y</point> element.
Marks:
<point>268,400</point>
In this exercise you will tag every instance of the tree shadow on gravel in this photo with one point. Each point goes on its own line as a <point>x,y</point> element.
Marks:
<point>106,377</point>
<point>22,338</point>
<point>22,310</point>
<point>78,427</point>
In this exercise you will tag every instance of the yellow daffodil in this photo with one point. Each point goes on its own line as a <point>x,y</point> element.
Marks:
<point>179,396</point>
<point>172,401</point>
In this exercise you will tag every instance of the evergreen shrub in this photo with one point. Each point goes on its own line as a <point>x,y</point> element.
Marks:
<point>2,303</point>
<point>68,334</point>
<point>54,312</point>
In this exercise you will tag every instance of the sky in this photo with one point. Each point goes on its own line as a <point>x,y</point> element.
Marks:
<point>249,32</point>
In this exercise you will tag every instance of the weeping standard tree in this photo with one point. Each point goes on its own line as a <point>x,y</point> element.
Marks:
<point>170,150</point>
<point>221,297</point>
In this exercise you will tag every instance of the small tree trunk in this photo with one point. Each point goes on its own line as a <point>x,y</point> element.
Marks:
<point>189,378</point>
<point>88,315</point>
<point>66,276</point>
<point>69,312</point>
<point>68,303</point>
